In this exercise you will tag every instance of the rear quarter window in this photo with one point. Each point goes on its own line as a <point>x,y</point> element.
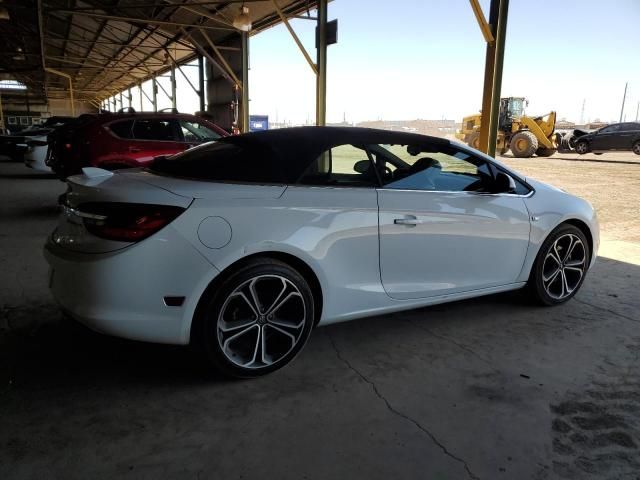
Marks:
<point>223,162</point>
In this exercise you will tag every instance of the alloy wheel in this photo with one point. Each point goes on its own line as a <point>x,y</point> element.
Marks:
<point>581,148</point>
<point>564,266</point>
<point>261,321</point>
<point>636,148</point>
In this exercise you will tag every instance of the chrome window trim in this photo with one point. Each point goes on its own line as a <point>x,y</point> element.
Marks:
<point>484,194</point>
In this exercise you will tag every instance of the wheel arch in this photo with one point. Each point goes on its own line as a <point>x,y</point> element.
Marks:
<point>576,222</point>
<point>584,228</point>
<point>293,261</point>
<point>119,162</point>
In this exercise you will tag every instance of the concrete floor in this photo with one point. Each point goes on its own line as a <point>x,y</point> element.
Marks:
<point>488,388</point>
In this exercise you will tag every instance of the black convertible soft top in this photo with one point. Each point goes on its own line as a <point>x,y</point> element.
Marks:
<point>296,147</point>
<point>280,155</point>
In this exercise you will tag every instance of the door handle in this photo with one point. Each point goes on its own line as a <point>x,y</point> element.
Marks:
<point>411,221</point>
<point>134,149</point>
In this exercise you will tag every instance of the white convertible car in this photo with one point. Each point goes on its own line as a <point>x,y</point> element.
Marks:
<point>244,245</point>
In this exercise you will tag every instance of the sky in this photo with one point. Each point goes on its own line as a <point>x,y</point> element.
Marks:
<point>410,59</point>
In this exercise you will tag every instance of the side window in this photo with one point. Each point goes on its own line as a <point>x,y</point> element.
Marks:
<point>436,167</point>
<point>343,165</point>
<point>122,129</point>
<point>196,132</point>
<point>610,129</point>
<point>153,129</point>
<point>630,127</point>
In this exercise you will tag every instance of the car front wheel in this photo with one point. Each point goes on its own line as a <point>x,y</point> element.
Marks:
<point>636,148</point>
<point>560,266</point>
<point>258,319</point>
<point>582,147</point>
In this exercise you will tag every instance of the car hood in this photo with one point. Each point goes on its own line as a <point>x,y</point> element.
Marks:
<point>538,185</point>
<point>204,189</point>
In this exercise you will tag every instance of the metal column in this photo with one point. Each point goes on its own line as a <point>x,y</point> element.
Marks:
<point>201,92</point>
<point>321,65</point>
<point>141,95</point>
<point>174,99</point>
<point>497,77</point>
<point>155,93</point>
<point>245,82</point>
<point>489,68</point>
<point>130,97</point>
<point>3,129</point>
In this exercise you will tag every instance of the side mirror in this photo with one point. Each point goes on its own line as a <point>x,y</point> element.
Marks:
<point>362,166</point>
<point>504,183</point>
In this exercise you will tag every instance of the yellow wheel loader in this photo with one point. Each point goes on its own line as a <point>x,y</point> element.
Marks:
<point>521,134</point>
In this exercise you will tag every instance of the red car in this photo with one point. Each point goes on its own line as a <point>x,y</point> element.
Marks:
<point>123,140</point>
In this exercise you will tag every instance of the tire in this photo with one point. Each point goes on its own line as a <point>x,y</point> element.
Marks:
<point>582,147</point>
<point>636,147</point>
<point>552,281</point>
<point>243,343</point>
<point>473,140</point>
<point>545,152</point>
<point>523,144</point>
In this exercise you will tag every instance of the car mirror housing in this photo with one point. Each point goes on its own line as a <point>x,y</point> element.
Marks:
<point>504,183</point>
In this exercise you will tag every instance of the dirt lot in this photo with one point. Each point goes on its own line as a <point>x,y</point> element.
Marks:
<point>611,182</point>
<point>483,389</point>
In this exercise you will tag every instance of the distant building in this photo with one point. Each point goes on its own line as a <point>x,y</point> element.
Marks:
<point>437,128</point>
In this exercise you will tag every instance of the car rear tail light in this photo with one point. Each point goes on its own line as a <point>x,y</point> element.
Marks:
<point>126,222</point>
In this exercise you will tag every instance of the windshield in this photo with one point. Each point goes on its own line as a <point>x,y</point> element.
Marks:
<point>516,107</point>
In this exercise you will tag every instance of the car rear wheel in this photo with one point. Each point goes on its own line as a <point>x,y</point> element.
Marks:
<point>258,319</point>
<point>560,266</point>
<point>582,147</point>
<point>636,148</point>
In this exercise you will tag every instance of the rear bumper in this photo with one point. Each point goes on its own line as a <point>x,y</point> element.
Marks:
<point>123,293</point>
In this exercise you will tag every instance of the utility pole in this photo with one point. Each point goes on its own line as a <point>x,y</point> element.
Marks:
<point>637,109</point>
<point>582,112</point>
<point>624,97</point>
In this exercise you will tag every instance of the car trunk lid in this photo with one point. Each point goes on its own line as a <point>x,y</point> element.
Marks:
<point>90,194</point>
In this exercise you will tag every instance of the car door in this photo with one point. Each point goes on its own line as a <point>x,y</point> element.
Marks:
<point>628,133</point>
<point>153,137</point>
<point>606,138</point>
<point>441,230</point>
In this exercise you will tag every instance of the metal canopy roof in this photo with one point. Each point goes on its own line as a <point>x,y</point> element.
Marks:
<point>108,45</point>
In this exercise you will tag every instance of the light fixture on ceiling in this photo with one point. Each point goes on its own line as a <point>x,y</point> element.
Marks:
<point>243,21</point>
<point>19,56</point>
<point>4,13</point>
